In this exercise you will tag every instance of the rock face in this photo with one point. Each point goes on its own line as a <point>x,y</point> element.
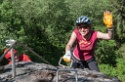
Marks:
<point>40,72</point>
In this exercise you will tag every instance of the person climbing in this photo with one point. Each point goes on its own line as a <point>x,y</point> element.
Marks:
<point>86,38</point>
<point>18,58</point>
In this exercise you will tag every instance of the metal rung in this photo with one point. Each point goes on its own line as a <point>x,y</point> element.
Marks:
<point>60,61</point>
<point>66,69</point>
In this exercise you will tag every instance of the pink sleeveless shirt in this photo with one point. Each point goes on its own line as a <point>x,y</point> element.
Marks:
<point>84,49</point>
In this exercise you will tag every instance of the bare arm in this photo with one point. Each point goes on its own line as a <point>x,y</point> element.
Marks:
<point>105,36</point>
<point>70,42</point>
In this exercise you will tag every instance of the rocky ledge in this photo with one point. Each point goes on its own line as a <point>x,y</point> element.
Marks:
<point>41,72</point>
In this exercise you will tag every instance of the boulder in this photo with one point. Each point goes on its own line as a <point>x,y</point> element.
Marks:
<point>41,72</point>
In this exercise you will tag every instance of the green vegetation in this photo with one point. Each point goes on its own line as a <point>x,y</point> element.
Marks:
<point>45,26</point>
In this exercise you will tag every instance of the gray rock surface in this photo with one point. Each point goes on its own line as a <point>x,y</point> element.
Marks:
<point>41,72</point>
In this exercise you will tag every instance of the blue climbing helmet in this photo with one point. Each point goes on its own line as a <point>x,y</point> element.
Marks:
<point>83,20</point>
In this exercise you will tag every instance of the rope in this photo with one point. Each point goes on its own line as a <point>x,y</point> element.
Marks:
<point>28,48</point>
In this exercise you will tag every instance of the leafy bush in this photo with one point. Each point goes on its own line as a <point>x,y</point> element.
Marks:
<point>118,71</point>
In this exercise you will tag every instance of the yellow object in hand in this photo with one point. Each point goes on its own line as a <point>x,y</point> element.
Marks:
<point>67,59</point>
<point>107,19</point>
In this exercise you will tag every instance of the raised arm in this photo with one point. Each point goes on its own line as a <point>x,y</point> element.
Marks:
<point>105,36</point>
<point>108,21</point>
